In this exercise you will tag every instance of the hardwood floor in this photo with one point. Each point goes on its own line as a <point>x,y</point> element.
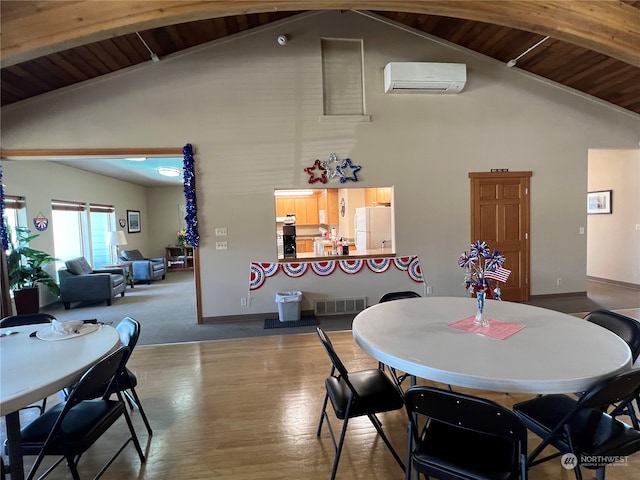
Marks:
<point>248,409</point>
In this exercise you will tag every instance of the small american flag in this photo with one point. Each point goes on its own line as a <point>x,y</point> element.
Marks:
<point>500,274</point>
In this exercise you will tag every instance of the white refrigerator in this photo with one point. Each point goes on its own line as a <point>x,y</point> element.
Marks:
<point>372,227</point>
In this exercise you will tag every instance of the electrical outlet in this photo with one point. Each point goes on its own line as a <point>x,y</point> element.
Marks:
<point>558,282</point>
<point>221,231</point>
<point>429,290</point>
<point>221,245</point>
<point>243,301</point>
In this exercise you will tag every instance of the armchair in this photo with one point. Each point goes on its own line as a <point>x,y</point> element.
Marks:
<point>79,282</point>
<point>145,269</point>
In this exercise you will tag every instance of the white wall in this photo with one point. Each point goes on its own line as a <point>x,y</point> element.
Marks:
<point>251,108</point>
<point>613,246</point>
<point>40,182</point>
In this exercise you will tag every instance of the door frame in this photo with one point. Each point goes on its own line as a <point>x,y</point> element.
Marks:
<point>88,153</point>
<point>525,177</point>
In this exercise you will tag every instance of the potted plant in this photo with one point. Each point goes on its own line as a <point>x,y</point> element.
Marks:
<point>25,266</point>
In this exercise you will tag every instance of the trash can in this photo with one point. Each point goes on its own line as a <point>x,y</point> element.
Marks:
<point>289,305</point>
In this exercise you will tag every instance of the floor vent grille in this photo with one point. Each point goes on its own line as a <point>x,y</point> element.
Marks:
<point>339,306</point>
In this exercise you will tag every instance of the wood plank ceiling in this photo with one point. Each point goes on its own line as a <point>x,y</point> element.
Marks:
<point>614,77</point>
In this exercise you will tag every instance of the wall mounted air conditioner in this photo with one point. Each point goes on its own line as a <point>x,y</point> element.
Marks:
<point>424,77</point>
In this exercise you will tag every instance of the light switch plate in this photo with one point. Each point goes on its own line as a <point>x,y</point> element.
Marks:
<point>221,231</point>
<point>221,245</point>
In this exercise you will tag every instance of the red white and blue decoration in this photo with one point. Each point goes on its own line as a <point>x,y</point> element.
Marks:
<point>270,269</point>
<point>348,171</point>
<point>4,240</point>
<point>260,271</point>
<point>344,170</point>
<point>316,172</point>
<point>295,269</point>
<point>41,222</point>
<point>351,266</point>
<point>323,268</point>
<point>481,265</point>
<point>256,276</point>
<point>191,219</point>
<point>378,265</point>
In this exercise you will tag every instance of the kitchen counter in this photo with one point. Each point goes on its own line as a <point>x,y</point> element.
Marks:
<point>353,254</point>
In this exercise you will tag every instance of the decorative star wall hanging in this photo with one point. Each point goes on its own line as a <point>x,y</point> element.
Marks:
<point>331,166</point>
<point>317,173</point>
<point>345,170</point>
<point>348,171</point>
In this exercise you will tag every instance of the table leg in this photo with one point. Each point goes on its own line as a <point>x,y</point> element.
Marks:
<point>14,442</point>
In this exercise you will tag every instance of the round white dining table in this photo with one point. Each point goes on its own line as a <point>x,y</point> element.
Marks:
<point>553,352</point>
<point>32,369</point>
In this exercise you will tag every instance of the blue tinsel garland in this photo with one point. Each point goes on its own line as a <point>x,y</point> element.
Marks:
<point>191,219</point>
<point>3,228</point>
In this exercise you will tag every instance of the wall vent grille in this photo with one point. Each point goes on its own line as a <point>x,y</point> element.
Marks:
<point>339,306</point>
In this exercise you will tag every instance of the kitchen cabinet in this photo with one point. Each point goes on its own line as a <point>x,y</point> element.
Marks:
<point>285,206</point>
<point>304,245</point>
<point>328,201</point>
<point>304,208</point>
<point>377,196</point>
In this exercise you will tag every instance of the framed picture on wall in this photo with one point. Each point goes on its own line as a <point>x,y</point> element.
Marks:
<point>599,202</point>
<point>133,221</point>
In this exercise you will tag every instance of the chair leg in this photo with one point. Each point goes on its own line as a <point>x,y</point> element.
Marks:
<point>322,414</point>
<point>378,426</point>
<point>137,402</point>
<point>336,460</point>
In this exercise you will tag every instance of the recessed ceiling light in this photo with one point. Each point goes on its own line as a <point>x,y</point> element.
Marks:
<point>169,171</point>
<point>284,193</point>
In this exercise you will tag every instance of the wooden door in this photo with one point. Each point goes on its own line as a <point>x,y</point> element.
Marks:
<point>500,217</point>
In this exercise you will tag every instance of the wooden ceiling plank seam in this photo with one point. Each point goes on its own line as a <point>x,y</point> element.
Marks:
<point>174,41</point>
<point>104,51</point>
<point>76,65</point>
<point>231,24</point>
<point>26,73</point>
<point>53,71</point>
<point>132,49</point>
<point>90,58</point>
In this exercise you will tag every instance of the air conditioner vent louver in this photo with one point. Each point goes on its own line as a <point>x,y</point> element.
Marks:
<point>424,77</point>
<point>339,306</point>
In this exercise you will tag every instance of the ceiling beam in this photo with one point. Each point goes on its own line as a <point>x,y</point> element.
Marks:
<point>36,28</point>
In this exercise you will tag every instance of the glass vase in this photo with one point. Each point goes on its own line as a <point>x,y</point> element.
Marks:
<point>480,319</point>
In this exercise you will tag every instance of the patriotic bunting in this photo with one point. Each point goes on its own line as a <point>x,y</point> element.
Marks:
<point>260,271</point>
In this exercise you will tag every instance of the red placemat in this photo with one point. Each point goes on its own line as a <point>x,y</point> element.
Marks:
<point>496,329</point>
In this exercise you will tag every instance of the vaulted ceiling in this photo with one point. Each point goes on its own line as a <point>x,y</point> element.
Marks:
<point>592,46</point>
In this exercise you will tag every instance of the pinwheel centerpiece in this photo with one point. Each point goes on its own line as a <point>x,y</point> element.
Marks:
<point>482,266</point>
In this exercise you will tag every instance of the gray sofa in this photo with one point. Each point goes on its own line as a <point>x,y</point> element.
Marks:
<point>145,269</point>
<point>79,282</point>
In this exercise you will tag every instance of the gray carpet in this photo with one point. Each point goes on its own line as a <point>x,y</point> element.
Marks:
<point>166,311</point>
<point>167,314</point>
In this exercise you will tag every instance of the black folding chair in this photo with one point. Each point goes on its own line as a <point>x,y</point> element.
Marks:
<point>388,297</point>
<point>354,394</point>
<point>129,331</point>
<point>581,426</point>
<point>628,329</point>
<point>456,436</point>
<point>70,428</point>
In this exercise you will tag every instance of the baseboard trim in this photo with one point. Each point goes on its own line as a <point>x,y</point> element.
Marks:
<point>557,295</point>
<point>607,281</point>
<point>249,317</point>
